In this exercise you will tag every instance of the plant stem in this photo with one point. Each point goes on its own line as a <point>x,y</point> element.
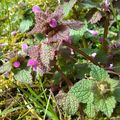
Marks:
<point>82,53</point>
<point>82,115</point>
<point>68,82</point>
<point>106,28</point>
<point>114,73</point>
<point>84,43</point>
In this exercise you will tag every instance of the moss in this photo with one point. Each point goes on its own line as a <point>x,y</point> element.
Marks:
<point>44,4</point>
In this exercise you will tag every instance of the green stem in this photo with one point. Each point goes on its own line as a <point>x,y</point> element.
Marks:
<point>114,14</point>
<point>84,43</point>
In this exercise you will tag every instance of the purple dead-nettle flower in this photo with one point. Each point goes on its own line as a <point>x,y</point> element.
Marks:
<point>101,39</point>
<point>117,45</point>
<point>24,47</point>
<point>93,32</point>
<point>16,64</point>
<point>32,63</point>
<point>13,33</point>
<point>36,9</point>
<point>53,23</point>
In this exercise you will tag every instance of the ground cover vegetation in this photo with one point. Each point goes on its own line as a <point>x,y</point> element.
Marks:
<point>59,60</point>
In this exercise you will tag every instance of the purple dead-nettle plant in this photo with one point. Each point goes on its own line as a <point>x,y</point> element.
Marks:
<point>43,54</point>
<point>56,31</point>
<point>53,26</point>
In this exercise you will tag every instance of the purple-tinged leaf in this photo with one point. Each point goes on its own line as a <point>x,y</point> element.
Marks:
<point>73,24</point>
<point>95,18</point>
<point>58,13</point>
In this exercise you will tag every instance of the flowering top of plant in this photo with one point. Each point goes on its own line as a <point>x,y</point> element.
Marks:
<point>43,54</point>
<point>52,25</point>
<point>56,31</point>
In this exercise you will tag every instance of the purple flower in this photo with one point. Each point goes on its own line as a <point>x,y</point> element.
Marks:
<point>101,39</point>
<point>93,32</point>
<point>3,44</point>
<point>32,63</point>
<point>16,64</point>
<point>36,9</point>
<point>53,23</point>
<point>13,33</point>
<point>117,45</point>
<point>24,46</point>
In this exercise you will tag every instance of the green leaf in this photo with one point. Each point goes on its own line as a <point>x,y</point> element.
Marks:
<point>90,110</point>
<point>23,76</point>
<point>25,25</point>
<point>98,74</point>
<point>67,102</point>
<point>39,37</point>
<point>76,34</point>
<point>56,77</point>
<point>82,91</point>
<point>67,6</point>
<point>89,4</point>
<point>70,104</point>
<point>116,93</point>
<point>81,70</point>
<point>5,67</point>
<point>106,105</point>
<point>101,57</point>
<point>113,84</point>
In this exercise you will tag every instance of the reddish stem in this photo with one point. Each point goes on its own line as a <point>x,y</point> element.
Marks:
<point>106,28</point>
<point>82,53</point>
<point>68,82</point>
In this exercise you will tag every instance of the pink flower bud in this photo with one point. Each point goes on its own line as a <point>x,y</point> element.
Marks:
<point>101,39</point>
<point>53,23</point>
<point>13,33</point>
<point>93,32</point>
<point>36,9</point>
<point>16,64</point>
<point>24,46</point>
